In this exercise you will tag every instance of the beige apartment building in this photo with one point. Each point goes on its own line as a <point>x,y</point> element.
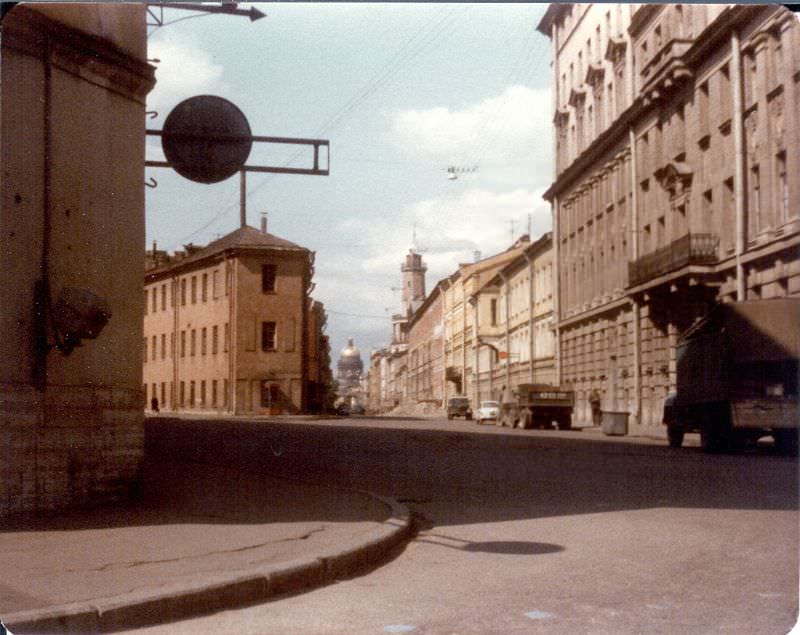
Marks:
<point>72,112</point>
<point>226,327</point>
<point>676,132</point>
<point>458,322</point>
<point>513,316</point>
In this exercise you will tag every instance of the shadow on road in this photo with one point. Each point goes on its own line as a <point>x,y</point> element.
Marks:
<point>474,476</point>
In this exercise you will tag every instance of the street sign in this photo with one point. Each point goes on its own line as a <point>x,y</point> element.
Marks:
<point>206,139</point>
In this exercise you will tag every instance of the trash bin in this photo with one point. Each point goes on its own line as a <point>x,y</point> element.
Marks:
<point>615,423</point>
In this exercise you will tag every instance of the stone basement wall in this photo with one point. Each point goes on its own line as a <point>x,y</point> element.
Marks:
<point>69,446</point>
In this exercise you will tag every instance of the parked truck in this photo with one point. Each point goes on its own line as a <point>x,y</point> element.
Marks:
<point>537,405</point>
<point>737,377</point>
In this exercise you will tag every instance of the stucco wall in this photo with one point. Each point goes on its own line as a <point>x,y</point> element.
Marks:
<point>73,215</point>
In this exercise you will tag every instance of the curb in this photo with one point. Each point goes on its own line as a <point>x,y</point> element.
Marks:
<point>174,602</point>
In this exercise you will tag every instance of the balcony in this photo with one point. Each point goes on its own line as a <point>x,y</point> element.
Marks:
<point>691,249</point>
<point>666,69</point>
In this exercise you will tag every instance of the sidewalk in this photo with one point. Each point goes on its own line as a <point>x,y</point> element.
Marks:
<point>203,539</point>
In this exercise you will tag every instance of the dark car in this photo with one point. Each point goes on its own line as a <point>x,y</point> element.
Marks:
<point>459,407</point>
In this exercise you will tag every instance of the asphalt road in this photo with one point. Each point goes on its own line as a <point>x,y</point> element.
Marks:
<point>530,531</point>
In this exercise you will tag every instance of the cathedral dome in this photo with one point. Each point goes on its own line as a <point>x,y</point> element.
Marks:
<point>351,350</point>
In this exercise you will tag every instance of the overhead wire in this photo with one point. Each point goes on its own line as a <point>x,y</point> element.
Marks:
<point>409,51</point>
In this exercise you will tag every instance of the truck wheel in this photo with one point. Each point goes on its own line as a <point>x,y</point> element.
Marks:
<point>675,436</point>
<point>786,441</point>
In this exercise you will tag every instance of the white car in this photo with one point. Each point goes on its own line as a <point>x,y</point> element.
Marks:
<point>488,410</point>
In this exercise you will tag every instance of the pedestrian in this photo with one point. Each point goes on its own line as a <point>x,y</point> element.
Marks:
<point>594,403</point>
<point>154,404</point>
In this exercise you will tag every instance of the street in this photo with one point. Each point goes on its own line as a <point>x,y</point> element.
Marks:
<point>527,531</point>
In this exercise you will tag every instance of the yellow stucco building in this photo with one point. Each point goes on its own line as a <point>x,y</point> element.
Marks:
<point>226,327</point>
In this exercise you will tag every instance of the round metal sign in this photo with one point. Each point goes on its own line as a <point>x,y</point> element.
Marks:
<point>206,139</point>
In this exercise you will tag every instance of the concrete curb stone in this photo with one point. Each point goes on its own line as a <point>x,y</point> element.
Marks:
<point>181,601</point>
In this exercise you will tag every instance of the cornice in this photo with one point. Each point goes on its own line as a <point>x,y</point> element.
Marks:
<point>84,55</point>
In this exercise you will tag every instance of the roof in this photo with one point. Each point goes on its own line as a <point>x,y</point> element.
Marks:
<point>245,237</point>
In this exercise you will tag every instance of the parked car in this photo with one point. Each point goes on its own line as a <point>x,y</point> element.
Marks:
<point>459,407</point>
<point>489,410</point>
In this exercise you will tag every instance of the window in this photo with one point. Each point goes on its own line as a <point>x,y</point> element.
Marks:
<point>203,341</point>
<point>163,297</point>
<point>163,393</point>
<point>213,393</point>
<point>193,343</point>
<point>183,394</point>
<point>155,299</point>
<point>268,278</point>
<point>203,392</point>
<point>194,289</point>
<point>215,284</point>
<point>493,308</point>
<point>191,394</point>
<point>183,343</point>
<point>227,342</point>
<point>163,347</point>
<point>755,199</point>
<point>183,292</point>
<point>205,287</point>
<point>268,336</point>
<point>225,391</point>
<point>214,339</point>
<point>145,302</point>
<point>783,188</point>
<point>145,350</point>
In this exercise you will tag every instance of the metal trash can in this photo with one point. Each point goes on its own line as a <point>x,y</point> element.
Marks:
<point>615,423</point>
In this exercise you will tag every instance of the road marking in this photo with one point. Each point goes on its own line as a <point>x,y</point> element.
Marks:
<point>399,628</point>
<point>539,615</point>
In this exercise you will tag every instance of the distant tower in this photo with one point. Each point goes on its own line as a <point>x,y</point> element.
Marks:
<point>413,281</point>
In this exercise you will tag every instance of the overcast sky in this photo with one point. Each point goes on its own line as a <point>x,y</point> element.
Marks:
<point>402,91</point>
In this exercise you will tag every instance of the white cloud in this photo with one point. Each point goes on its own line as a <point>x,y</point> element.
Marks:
<point>507,136</point>
<point>184,70</point>
<point>449,228</point>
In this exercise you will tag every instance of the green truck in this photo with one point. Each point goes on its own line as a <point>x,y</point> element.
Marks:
<point>537,406</point>
<point>737,377</point>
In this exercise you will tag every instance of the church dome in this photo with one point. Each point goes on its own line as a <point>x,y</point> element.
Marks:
<point>350,350</point>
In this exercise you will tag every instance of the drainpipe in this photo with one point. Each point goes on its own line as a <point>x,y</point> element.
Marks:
<point>444,341</point>
<point>476,387</point>
<point>557,288</point>
<point>508,333</point>
<point>176,323</point>
<point>463,341</point>
<point>738,145</point>
<point>531,337</point>
<point>637,337</point>
<point>232,334</point>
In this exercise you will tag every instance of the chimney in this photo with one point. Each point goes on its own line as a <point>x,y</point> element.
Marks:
<point>263,222</point>
<point>476,256</point>
<point>154,249</point>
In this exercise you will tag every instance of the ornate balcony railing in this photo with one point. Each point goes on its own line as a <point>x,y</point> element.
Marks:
<point>691,249</point>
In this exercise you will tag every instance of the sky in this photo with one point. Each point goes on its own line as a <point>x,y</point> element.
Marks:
<point>402,92</point>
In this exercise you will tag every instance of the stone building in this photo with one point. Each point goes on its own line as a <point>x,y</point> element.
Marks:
<point>675,134</point>
<point>458,321</point>
<point>513,316</point>
<point>226,327</point>
<point>72,136</point>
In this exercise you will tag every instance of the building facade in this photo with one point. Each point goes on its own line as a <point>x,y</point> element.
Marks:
<point>458,320</point>
<point>72,113</point>
<point>675,132</point>
<point>426,353</point>
<point>226,327</point>
<point>513,316</point>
